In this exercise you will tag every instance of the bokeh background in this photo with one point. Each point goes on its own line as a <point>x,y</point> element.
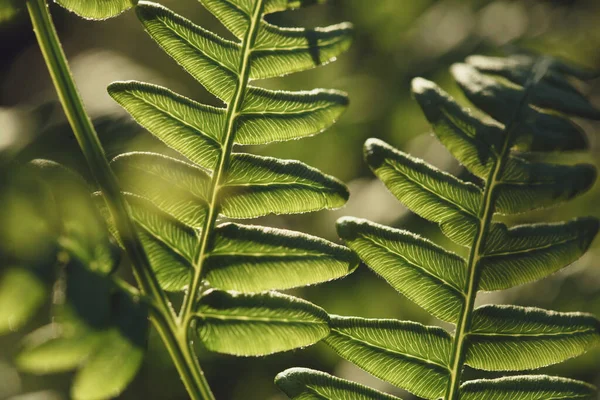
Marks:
<point>395,41</point>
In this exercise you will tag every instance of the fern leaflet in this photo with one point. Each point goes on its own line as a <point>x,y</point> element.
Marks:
<point>529,108</point>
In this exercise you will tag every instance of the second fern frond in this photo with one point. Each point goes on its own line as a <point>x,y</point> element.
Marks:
<point>528,99</point>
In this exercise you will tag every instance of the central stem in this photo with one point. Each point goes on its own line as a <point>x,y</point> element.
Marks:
<point>486,211</point>
<point>233,110</point>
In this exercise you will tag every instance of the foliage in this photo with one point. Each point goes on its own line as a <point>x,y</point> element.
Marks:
<point>227,271</point>
<point>529,99</point>
<point>176,204</point>
<point>48,209</point>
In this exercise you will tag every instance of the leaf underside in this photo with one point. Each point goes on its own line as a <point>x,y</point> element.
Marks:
<point>97,9</point>
<point>178,203</point>
<point>529,109</point>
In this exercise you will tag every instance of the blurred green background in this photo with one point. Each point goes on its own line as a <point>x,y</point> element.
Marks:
<point>395,40</point>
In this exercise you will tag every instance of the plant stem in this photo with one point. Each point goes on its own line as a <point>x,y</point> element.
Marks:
<point>486,211</point>
<point>162,314</point>
<point>223,163</point>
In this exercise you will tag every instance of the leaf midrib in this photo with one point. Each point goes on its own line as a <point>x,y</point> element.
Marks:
<point>229,254</point>
<point>538,70</point>
<point>529,249</point>
<point>233,111</point>
<point>547,334</point>
<point>222,317</point>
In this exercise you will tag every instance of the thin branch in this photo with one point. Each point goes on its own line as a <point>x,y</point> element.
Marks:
<point>162,315</point>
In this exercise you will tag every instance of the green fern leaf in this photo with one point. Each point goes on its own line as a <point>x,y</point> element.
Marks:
<point>403,258</point>
<point>529,105</point>
<point>99,331</point>
<point>527,388</point>
<point>308,384</point>
<point>306,114</point>
<point>257,186</point>
<point>253,259</point>
<point>258,324</point>
<point>527,253</point>
<point>518,338</point>
<point>188,127</point>
<point>406,354</point>
<point>97,9</point>
<point>431,193</point>
<point>207,57</point>
<point>282,51</point>
<point>183,201</point>
<point>176,187</point>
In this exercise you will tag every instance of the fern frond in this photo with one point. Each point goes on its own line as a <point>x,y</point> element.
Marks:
<point>528,109</point>
<point>178,205</point>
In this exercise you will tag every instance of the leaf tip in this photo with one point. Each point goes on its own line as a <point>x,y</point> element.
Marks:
<point>287,381</point>
<point>346,227</point>
<point>421,86</point>
<point>374,152</point>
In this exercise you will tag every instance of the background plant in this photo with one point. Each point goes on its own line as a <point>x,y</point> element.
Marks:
<point>528,98</point>
<point>393,42</point>
<point>175,243</point>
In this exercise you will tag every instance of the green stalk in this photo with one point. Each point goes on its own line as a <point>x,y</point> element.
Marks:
<point>162,315</point>
<point>486,211</point>
<point>223,163</point>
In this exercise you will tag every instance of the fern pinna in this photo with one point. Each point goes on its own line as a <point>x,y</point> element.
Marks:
<point>227,270</point>
<point>528,99</point>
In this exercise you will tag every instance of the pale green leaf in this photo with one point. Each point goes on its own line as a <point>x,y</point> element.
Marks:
<point>82,233</point>
<point>280,116</point>
<point>211,60</point>
<point>234,14</point>
<point>308,384</point>
<point>46,351</point>
<point>176,187</point>
<point>527,253</point>
<point>255,258</point>
<point>272,6</point>
<point>97,9</point>
<point>192,129</point>
<point>279,51</point>
<point>21,294</point>
<point>511,338</point>
<point>533,387</point>
<point>409,355</point>
<point>169,244</point>
<point>258,324</point>
<point>257,186</point>
<point>108,370</point>
<point>433,194</point>
<point>97,331</point>
<point>9,9</point>
<point>427,274</point>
